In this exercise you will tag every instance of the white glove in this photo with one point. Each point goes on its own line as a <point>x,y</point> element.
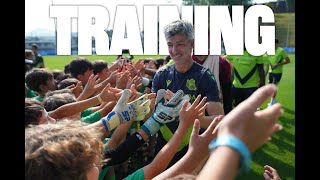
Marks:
<point>124,112</point>
<point>164,113</point>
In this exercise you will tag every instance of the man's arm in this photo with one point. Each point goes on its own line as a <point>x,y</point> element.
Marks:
<point>111,79</point>
<point>240,133</point>
<point>198,152</point>
<point>210,90</point>
<point>149,128</point>
<point>163,158</point>
<point>73,108</point>
<point>214,109</point>
<point>224,161</point>
<point>286,61</point>
<point>150,72</point>
<point>78,106</point>
<point>166,154</point>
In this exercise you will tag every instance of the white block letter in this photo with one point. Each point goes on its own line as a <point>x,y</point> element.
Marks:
<point>252,30</point>
<point>126,31</point>
<point>187,13</point>
<point>63,15</point>
<point>150,26</point>
<point>167,14</point>
<point>92,22</point>
<point>232,32</point>
<point>201,30</point>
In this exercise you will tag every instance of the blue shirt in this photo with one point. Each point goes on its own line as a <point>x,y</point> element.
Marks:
<point>197,80</point>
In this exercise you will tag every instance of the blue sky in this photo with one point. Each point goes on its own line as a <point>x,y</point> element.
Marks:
<point>37,11</point>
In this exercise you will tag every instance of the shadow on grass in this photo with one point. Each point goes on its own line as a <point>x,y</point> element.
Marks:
<point>280,144</point>
<point>288,124</point>
<point>286,171</point>
<point>286,110</point>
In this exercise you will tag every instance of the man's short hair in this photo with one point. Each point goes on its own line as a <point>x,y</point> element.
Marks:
<point>62,77</point>
<point>27,53</point>
<point>56,73</point>
<point>66,69</point>
<point>33,110</point>
<point>49,148</point>
<point>37,77</point>
<point>55,101</point>
<point>182,27</point>
<point>67,82</point>
<point>98,66</point>
<point>79,66</point>
<point>35,46</point>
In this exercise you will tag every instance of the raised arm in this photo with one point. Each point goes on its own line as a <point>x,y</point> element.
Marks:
<point>214,110</point>
<point>149,128</point>
<point>78,106</point>
<point>240,133</point>
<point>123,112</point>
<point>197,154</point>
<point>163,158</point>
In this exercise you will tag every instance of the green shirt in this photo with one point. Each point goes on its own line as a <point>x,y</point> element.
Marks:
<point>103,173</point>
<point>279,56</point>
<point>138,175</point>
<point>39,98</point>
<point>92,118</point>
<point>143,87</point>
<point>86,112</point>
<point>246,67</point>
<point>170,62</point>
<point>30,93</point>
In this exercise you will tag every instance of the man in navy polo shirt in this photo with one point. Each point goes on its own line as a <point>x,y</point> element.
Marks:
<point>187,75</point>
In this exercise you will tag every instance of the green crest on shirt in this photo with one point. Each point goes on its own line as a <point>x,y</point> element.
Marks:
<point>191,84</point>
<point>168,82</point>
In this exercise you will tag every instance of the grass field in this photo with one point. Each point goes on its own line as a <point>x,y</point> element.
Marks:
<point>279,152</point>
<point>58,62</point>
<point>285,29</point>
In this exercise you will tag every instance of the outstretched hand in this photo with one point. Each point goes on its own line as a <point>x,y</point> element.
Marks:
<point>253,127</point>
<point>124,111</point>
<point>189,113</point>
<point>199,143</point>
<point>165,113</point>
<point>270,173</point>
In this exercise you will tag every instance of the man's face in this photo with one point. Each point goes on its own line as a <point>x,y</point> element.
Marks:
<point>151,65</point>
<point>85,76</point>
<point>51,85</point>
<point>104,74</point>
<point>34,50</point>
<point>180,48</point>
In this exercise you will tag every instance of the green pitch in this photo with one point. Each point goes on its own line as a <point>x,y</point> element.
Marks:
<point>279,152</point>
<point>58,62</point>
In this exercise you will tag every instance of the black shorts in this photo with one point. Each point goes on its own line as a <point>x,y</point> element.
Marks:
<point>275,77</point>
<point>241,94</point>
